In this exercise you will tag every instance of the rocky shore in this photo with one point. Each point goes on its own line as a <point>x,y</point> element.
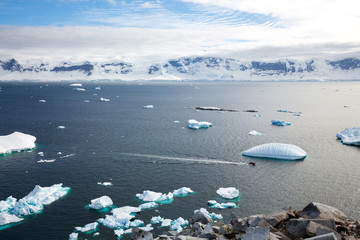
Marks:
<point>315,222</point>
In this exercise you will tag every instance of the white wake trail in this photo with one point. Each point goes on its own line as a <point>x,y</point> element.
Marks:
<point>180,159</point>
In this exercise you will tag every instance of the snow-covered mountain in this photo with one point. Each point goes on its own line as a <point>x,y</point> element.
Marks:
<point>194,68</point>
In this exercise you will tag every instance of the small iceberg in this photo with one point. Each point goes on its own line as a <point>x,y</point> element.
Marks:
<point>276,151</point>
<point>90,227</point>
<point>254,133</point>
<point>16,142</point>
<point>216,109</point>
<point>46,160</point>
<point>119,232</point>
<point>150,196</point>
<point>98,88</point>
<point>75,85</point>
<point>120,217</point>
<point>73,236</point>
<point>257,115</point>
<point>193,124</point>
<point>101,202</point>
<point>215,204</point>
<point>228,193</point>
<point>148,205</point>
<point>42,101</point>
<point>184,191</point>
<point>79,89</point>
<point>60,127</point>
<point>350,136</point>
<point>104,99</point>
<point>148,106</point>
<point>280,123</point>
<point>166,222</point>
<point>105,184</point>
<point>156,220</point>
<point>178,224</point>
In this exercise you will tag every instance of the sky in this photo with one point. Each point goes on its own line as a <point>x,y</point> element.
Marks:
<point>142,30</point>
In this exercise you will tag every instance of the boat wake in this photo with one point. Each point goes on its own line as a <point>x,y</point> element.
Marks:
<point>180,159</point>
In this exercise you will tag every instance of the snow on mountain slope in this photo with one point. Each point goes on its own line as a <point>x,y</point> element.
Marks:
<point>195,68</point>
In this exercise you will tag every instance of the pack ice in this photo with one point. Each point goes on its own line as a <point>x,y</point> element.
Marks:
<point>16,142</point>
<point>193,124</point>
<point>277,151</point>
<point>350,136</point>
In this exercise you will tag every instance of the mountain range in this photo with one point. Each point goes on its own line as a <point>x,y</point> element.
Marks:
<point>185,68</point>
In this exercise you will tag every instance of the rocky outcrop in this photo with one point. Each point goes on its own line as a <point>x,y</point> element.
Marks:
<point>315,222</point>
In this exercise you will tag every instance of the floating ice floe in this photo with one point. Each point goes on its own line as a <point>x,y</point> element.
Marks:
<point>277,151</point>
<point>79,89</point>
<point>280,123</point>
<point>73,236</point>
<point>254,133</point>
<point>211,215</point>
<point>150,196</point>
<point>193,124</point>
<point>98,88</point>
<point>148,205</point>
<point>75,85</point>
<point>60,127</point>
<point>105,183</point>
<point>16,142</point>
<point>101,202</point>
<point>7,218</point>
<point>104,99</point>
<point>148,106</point>
<point>120,217</point>
<point>90,227</point>
<point>228,193</point>
<point>156,220</point>
<point>46,160</point>
<point>178,224</point>
<point>350,136</point>
<point>215,204</point>
<point>184,191</point>
<point>119,232</point>
<point>257,115</point>
<point>166,222</point>
<point>41,154</point>
<point>42,101</point>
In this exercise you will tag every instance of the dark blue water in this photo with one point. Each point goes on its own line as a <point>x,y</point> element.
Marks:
<point>144,149</point>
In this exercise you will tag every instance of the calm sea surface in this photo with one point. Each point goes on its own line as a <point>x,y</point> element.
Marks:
<point>144,149</point>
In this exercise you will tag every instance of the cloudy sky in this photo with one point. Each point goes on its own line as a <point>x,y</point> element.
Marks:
<point>134,30</point>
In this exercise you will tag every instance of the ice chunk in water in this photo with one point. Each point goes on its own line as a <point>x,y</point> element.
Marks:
<point>101,202</point>
<point>88,227</point>
<point>212,215</point>
<point>7,218</point>
<point>104,99</point>
<point>178,224</point>
<point>350,136</point>
<point>16,141</point>
<point>155,220</point>
<point>73,236</point>
<point>150,196</point>
<point>148,106</point>
<point>119,232</point>
<point>193,124</point>
<point>254,133</point>
<point>277,151</point>
<point>228,193</point>
<point>166,223</point>
<point>182,191</point>
<point>148,205</point>
<point>280,123</point>
<point>215,204</point>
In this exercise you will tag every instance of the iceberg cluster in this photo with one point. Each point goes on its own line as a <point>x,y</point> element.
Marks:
<point>228,193</point>
<point>184,191</point>
<point>215,204</point>
<point>280,123</point>
<point>150,196</point>
<point>175,225</point>
<point>193,124</point>
<point>350,136</point>
<point>16,142</point>
<point>101,202</point>
<point>276,151</point>
<point>12,210</point>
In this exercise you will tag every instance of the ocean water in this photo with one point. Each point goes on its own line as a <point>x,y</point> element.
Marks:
<point>144,149</point>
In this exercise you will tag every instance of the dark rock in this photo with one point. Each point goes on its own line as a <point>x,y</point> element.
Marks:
<point>240,225</point>
<point>208,232</point>
<point>329,236</point>
<point>139,234</point>
<point>261,233</point>
<point>322,211</point>
<point>299,227</point>
<point>215,109</point>
<point>226,229</point>
<point>342,229</point>
<point>275,219</point>
<point>232,219</point>
<point>282,236</point>
<point>201,217</point>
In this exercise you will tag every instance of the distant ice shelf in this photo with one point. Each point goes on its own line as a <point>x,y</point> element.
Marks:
<point>16,142</point>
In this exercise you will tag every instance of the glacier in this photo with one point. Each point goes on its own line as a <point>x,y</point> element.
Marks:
<point>350,136</point>
<point>193,124</point>
<point>16,141</point>
<point>228,193</point>
<point>276,151</point>
<point>101,202</point>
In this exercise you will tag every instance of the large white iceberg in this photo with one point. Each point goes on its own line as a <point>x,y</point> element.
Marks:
<point>193,124</point>
<point>16,142</point>
<point>277,151</point>
<point>150,196</point>
<point>228,193</point>
<point>182,191</point>
<point>7,218</point>
<point>350,136</point>
<point>101,202</point>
